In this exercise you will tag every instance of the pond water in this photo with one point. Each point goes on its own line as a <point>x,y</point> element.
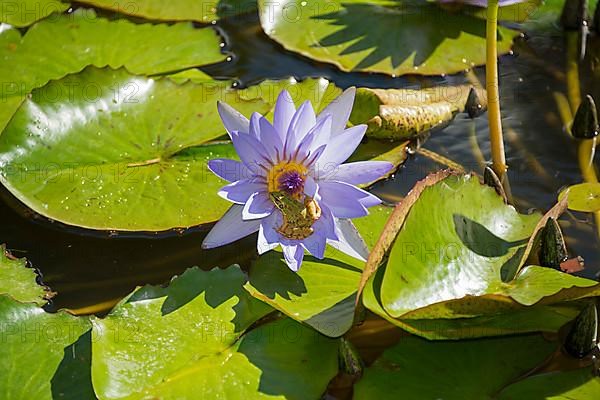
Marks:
<point>88,268</point>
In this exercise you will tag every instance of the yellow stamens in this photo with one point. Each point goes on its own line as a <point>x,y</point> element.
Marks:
<point>283,171</point>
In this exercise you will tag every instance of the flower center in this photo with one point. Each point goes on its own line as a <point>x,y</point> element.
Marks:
<point>288,177</point>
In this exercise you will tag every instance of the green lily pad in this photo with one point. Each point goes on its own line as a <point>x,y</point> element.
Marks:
<point>402,114</point>
<point>25,12</point>
<point>393,37</point>
<point>419,369</point>
<point>577,384</point>
<point>537,318</point>
<point>186,10</point>
<point>322,293</point>
<point>445,256</point>
<point>190,341</point>
<point>583,197</point>
<point>67,44</point>
<point>18,281</point>
<point>108,150</point>
<point>458,260</point>
<point>43,356</point>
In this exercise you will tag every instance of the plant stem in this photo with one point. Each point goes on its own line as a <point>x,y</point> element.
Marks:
<point>573,91</point>
<point>493,93</point>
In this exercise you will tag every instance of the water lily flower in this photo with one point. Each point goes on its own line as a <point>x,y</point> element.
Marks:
<point>290,184</point>
<point>482,3</point>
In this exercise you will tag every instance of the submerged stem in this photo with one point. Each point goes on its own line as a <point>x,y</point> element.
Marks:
<point>573,84</point>
<point>493,93</point>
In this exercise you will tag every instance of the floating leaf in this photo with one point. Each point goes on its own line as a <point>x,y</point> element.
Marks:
<point>125,155</point>
<point>18,281</point>
<point>188,341</point>
<point>419,369</point>
<point>401,114</point>
<point>582,197</point>
<point>22,13</point>
<point>577,384</point>
<point>544,318</point>
<point>43,356</point>
<point>186,10</point>
<point>379,36</point>
<point>67,44</point>
<point>458,260</point>
<point>322,293</point>
<point>107,150</point>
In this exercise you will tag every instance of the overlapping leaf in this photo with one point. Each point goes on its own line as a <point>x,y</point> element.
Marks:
<point>189,341</point>
<point>322,294</point>
<point>186,10</point>
<point>458,259</point>
<point>392,37</point>
<point>43,356</point>
<point>482,369</point>
<point>18,281</point>
<point>22,13</point>
<point>68,43</point>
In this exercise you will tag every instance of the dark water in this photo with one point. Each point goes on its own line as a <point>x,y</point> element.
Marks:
<point>86,268</point>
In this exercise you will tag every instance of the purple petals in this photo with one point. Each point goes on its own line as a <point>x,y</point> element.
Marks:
<point>317,137</point>
<point>346,201</point>
<point>230,228</point>
<point>340,109</point>
<point>284,111</point>
<point>302,121</point>
<point>268,238</point>
<point>257,206</point>
<point>300,155</point>
<point>230,170</point>
<point>315,244</point>
<point>270,139</point>
<point>341,146</point>
<point>310,187</point>
<point>360,172</point>
<point>251,151</point>
<point>232,119</point>
<point>293,254</point>
<point>240,191</point>
<point>349,240</point>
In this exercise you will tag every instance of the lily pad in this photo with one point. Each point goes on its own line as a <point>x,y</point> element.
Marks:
<point>583,197</point>
<point>25,12</point>
<point>537,318</point>
<point>107,150</point>
<point>186,10</point>
<point>402,114</point>
<point>418,369</point>
<point>577,384</point>
<point>43,356</point>
<point>393,37</point>
<point>190,341</point>
<point>322,293</point>
<point>68,43</point>
<point>458,260</point>
<point>18,281</point>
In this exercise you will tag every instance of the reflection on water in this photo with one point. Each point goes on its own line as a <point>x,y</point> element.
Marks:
<point>91,268</point>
